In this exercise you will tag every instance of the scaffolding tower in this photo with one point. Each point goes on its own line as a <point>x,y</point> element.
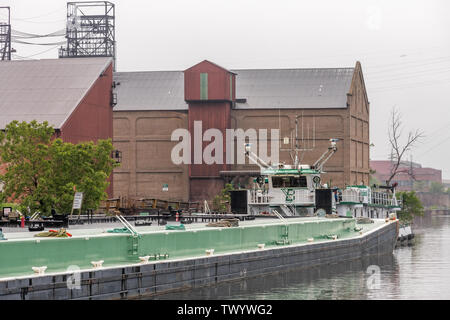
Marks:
<point>5,33</point>
<point>90,30</point>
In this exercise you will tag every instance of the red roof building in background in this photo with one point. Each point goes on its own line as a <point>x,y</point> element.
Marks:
<point>409,173</point>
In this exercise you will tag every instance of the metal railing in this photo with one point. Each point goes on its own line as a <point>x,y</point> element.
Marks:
<point>384,199</point>
<point>300,197</point>
<point>127,225</point>
<point>304,196</point>
<point>258,197</point>
<point>377,198</point>
<point>351,196</point>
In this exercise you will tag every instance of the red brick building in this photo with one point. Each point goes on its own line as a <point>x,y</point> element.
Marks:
<point>409,174</point>
<point>322,103</point>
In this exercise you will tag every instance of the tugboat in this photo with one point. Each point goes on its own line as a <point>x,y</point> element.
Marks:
<point>296,190</point>
<point>405,235</point>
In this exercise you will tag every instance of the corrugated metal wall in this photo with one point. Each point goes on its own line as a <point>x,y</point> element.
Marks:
<point>93,118</point>
<point>208,91</point>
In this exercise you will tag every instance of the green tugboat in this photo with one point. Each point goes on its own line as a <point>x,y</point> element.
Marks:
<point>297,190</point>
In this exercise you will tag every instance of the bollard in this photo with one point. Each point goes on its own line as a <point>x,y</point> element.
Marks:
<point>97,264</point>
<point>39,270</point>
<point>144,259</point>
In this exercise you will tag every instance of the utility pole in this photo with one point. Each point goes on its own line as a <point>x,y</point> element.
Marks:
<point>5,33</point>
<point>90,30</point>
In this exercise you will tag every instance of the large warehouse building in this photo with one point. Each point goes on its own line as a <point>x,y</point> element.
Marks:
<point>318,104</point>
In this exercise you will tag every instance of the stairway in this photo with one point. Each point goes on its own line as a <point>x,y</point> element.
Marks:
<point>289,212</point>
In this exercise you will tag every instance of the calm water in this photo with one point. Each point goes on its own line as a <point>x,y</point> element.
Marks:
<point>420,271</point>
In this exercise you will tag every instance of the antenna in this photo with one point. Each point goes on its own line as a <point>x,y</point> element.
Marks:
<point>305,145</point>
<point>90,30</point>
<point>5,33</point>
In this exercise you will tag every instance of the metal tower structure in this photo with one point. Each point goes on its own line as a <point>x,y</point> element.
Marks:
<point>90,30</point>
<point>5,34</point>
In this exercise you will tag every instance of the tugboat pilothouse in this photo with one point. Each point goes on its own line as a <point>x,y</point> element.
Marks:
<point>297,190</point>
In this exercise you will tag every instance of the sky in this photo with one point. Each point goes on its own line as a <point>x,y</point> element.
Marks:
<point>403,46</point>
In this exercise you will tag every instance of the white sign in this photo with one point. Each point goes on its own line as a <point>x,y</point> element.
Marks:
<point>77,200</point>
<point>165,187</point>
<point>6,211</point>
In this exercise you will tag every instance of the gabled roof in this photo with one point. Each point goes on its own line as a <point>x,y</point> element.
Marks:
<point>262,89</point>
<point>293,88</point>
<point>212,63</point>
<point>155,90</point>
<point>46,90</point>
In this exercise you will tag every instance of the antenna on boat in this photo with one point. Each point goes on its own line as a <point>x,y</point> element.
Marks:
<point>318,165</point>
<point>254,158</point>
<point>301,144</point>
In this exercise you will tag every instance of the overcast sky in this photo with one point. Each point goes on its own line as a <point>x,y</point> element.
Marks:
<point>403,46</point>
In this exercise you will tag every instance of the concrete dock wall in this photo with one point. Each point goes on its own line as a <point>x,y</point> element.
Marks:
<point>164,276</point>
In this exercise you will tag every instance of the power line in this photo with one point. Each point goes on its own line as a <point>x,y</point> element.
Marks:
<point>26,35</point>
<point>411,85</point>
<point>41,22</point>
<point>406,64</point>
<point>435,146</point>
<point>410,75</point>
<point>39,53</point>
<point>40,44</point>
<point>16,56</point>
<point>40,16</point>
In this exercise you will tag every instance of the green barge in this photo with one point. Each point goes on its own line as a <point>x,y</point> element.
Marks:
<point>250,249</point>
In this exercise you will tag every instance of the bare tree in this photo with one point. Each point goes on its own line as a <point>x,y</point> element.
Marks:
<point>397,149</point>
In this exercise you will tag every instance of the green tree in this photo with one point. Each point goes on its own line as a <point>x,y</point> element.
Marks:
<point>85,166</point>
<point>436,187</point>
<point>221,201</point>
<point>372,179</point>
<point>42,172</point>
<point>411,206</point>
<point>419,186</point>
<point>24,147</point>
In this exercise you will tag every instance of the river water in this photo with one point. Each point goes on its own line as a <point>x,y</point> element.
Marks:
<point>419,271</point>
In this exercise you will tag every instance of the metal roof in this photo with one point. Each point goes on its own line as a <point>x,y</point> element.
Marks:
<point>46,90</point>
<point>293,88</point>
<point>154,90</point>
<point>262,88</point>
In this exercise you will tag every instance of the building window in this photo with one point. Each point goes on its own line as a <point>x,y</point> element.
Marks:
<point>289,182</point>
<point>203,86</point>
<point>231,87</point>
